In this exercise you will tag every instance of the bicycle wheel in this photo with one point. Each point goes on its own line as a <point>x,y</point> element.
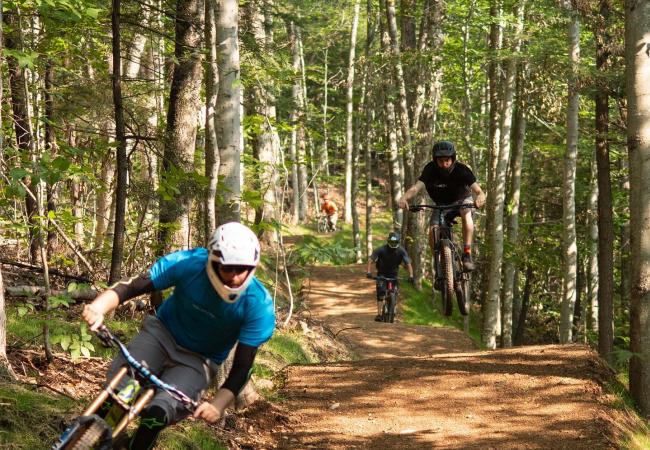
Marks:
<point>89,438</point>
<point>448,278</point>
<point>462,294</point>
<point>392,301</point>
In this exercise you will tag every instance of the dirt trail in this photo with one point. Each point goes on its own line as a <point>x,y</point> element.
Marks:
<point>422,387</point>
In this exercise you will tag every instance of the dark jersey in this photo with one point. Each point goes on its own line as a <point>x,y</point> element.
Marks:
<point>447,187</point>
<point>388,260</point>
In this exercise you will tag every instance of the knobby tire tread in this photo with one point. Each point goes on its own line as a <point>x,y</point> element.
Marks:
<point>391,307</point>
<point>462,296</point>
<point>448,279</point>
<point>88,438</point>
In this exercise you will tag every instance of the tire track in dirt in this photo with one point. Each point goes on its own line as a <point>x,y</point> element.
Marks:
<point>423,387</point>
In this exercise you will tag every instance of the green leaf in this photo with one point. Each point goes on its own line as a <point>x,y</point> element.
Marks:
<point>22,311</point>
<point>75,355</point>
<point>85,352</point>
<point>65,343</point>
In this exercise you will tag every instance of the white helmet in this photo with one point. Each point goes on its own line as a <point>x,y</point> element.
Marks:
<point>232,244</point>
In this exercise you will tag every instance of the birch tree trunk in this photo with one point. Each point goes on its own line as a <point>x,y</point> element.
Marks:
<point>5,367</point>
<point>592,259</point>
<point>211,144</point>
<point>266,144</point>
<point>295,123</point>
<point>509,87</point>
<point>372,20</point>
<point>228,110</point>
<point>324,157</point>
<point>637,40</point>
<point>349,134</point>
<point>569,242</point>
<point>180,139</point>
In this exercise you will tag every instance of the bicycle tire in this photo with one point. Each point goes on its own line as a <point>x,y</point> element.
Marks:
<point>448,278</point>
<point>391,307</point>
<point>88,437</point>
<point>462,295</point>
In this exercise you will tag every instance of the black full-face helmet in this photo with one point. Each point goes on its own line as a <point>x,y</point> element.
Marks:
<point>445,149</point>
<point>393,240</point>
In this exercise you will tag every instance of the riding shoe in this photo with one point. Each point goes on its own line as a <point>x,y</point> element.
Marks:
<point>468,264</point>
<point>378,318</point>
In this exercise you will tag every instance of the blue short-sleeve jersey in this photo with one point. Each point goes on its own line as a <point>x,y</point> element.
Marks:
<point>198,319</point>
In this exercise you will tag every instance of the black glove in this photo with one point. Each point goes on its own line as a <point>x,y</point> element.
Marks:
<point>411,280</point>
<point>369,275</point>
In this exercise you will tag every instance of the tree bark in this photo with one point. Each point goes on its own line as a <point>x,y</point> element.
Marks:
<point>349,134</point>
<point>509,87</point>
<point>569,241</point>
<point>180,135</point>
<point>211,144</point>
<point>122,166</point>
<point>637,40</point>
<point>605,212</point>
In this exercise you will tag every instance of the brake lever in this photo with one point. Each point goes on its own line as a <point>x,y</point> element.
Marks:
<point>105,336</point>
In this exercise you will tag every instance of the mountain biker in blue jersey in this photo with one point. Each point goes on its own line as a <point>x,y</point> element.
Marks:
<point>388,258</point>
<point>217,303</point>
<point>448,182</point>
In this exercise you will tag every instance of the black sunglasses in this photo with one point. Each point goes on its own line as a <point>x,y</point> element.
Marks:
<point>234,268</point>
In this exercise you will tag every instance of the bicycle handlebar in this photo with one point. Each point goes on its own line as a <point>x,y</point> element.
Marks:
<point>417,208</point>
<point>110,340</point>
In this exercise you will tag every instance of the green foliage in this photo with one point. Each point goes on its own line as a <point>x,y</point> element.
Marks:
<point>188,436</point>
<point>77,344</point>
<point>314,250</point>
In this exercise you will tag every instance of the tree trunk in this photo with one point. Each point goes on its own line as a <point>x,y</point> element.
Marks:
<point>266,144</point>
<point>569,241</point>
<point>21,122</point>
<point>180,135</point>
<point>324,157</point>
<point>349,134</point>
<point>211,144</point>
<point>371,28</point>
<point>510,266</point>
<point>591,302</point>
<point>295,123</point>
<point>605,212</point>
<point>509,87</point>
<point>637,33</point>
<point>122,167</point>
<point>228,110</point>
<point>518,338</point>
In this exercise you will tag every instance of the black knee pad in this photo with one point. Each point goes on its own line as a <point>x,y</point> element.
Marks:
<point>154,417</point>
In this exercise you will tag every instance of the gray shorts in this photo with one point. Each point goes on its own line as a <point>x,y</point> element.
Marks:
<point>435,215</point>
<point>173,364</point>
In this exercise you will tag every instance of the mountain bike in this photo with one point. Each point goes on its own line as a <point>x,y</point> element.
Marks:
<point>324,224</point>
<point>390,298</point>
<point>89,431</point>
<point>450,274</point>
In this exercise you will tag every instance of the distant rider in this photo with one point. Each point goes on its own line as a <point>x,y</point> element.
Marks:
<point>448,182</point>
<point>329,208</point>
<point>388,258</point>
<point>217,304</point>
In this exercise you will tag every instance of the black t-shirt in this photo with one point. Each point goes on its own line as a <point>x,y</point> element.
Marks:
<point>445,187</point>
<point>388,260</point>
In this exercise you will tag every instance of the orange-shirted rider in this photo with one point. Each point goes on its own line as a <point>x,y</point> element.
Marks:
<point>331,211</point>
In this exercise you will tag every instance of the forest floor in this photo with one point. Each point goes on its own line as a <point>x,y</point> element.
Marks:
<point>423,387</point>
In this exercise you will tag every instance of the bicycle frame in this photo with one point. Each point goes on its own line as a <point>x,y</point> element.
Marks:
<point>391,289</point>
<point>443,239</point>
<point>141,400</point>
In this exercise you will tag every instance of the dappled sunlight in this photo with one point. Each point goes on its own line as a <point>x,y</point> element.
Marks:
<point>422,387</point>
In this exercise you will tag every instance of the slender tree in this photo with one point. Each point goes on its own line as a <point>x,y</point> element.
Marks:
<point>211,89</point>
<point>349,134</point>
<point>120,137</point>
<point>637,32</point>
<point>569,242</point>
